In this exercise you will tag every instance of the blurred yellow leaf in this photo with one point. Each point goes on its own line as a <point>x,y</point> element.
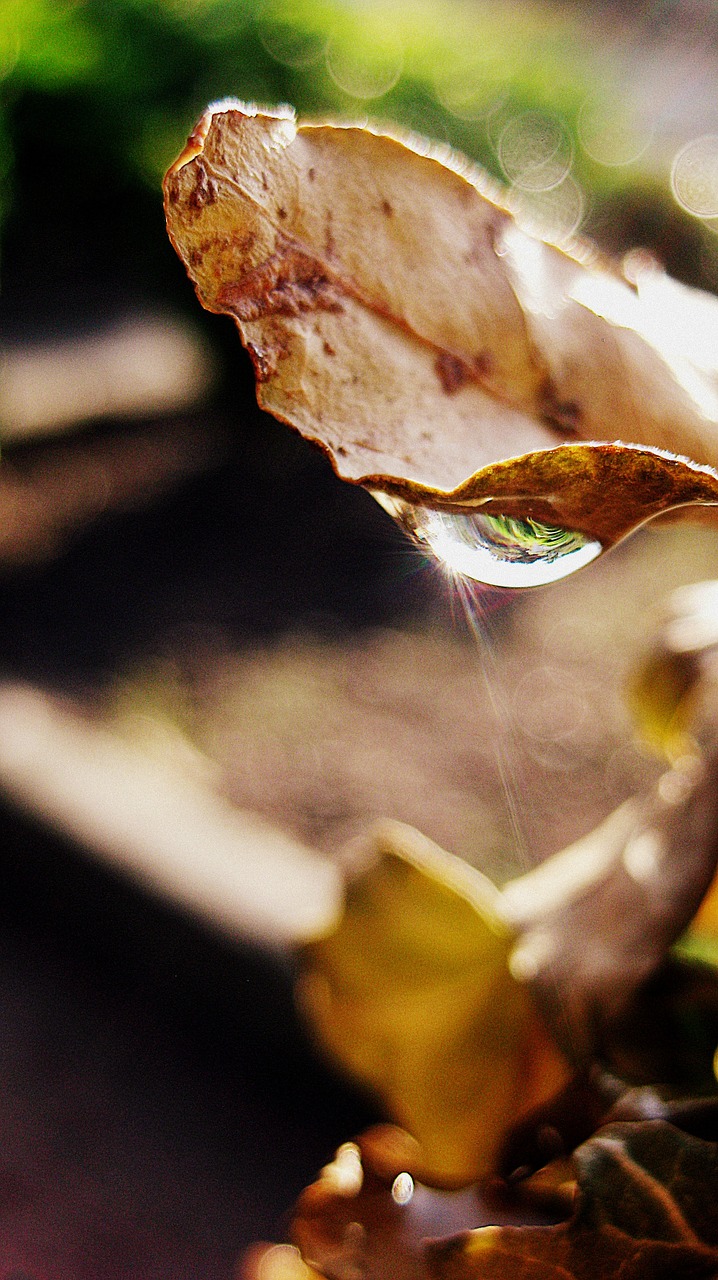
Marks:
<point>666,693</point>
<point>412,995</point>
<point>663,695</point>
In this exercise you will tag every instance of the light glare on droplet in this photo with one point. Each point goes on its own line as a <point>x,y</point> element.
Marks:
<point>402,1188</point>
<point>345,1171</point>
<point>471,92</point>
<point>534,951</point>
<point>642,856</point>
<point>548,709</point>
<point>282,1262</point>
<point>534,151</point>
<point>694,176</point>
<point>676,785</point>
<point>504,552</point>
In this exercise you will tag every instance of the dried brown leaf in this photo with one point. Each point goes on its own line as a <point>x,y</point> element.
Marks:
<point>647,1210</point>
<point>377,1225</point>
<point>594,1098</point>
<point>397,315</point>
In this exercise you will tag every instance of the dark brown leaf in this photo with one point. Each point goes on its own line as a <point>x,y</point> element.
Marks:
<point>366,1215</point>
<point>595,1098</point>
<point>647,1210</point>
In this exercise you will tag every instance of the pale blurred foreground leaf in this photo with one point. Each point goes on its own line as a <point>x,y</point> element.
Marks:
<point>673,696</point>
<point>397,315</point>
<point>598,918</point>
<point>412,994</point>
<point>149,807</point>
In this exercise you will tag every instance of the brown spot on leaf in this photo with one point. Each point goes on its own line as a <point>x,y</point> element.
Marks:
<point>288,283</point>
<point>329,242</point>
<point>484,364</point>
<point>311,174</point>
<point>451,372</point>
<point>205,188</point>
<point>172,187</point>
<point>274,348</point>
<point>565,415</point>
<point>281,213</point>
<point>387,209</point>
<point>329,349</point>
<point>264,365</point>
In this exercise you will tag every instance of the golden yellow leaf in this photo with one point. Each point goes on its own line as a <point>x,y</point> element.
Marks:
<point>663,695</point>
<point>667,693</point>
<point>412,995</point>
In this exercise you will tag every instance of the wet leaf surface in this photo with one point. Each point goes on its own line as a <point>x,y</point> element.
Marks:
<point>603,491</point>
<point>412,994</point>
<point>397,315</point>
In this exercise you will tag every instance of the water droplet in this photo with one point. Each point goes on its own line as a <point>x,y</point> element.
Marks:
<point>287,39</point>
<point>534,152</point>
<point>499,550</point>
<point>365,68</point>
<point>554,215</point>
<point>611,133</point>
<point>678,783</point>
<point>282,1262</point>
<point>402,1188</point>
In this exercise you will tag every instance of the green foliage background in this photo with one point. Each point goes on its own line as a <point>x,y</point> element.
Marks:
<point>104,92</point>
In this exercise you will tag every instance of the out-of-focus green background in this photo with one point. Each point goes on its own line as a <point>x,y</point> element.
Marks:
<point>99,95</point>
